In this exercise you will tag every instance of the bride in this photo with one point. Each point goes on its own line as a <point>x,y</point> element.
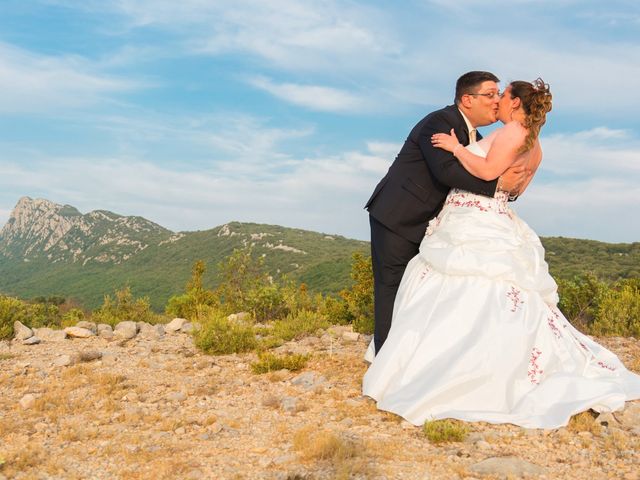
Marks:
<point>476,334</point>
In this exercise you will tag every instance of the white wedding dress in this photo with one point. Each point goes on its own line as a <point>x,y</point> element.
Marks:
<point>477,336</point>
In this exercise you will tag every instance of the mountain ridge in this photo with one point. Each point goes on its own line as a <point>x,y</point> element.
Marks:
<point>51,249</point>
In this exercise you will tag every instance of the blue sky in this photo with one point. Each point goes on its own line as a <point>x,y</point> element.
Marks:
<point>196,113</point>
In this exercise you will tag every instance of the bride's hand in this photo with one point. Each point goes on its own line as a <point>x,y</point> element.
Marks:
<point>446,142</point>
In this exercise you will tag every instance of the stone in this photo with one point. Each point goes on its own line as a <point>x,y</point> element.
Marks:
<point>351,336</point>
<point>88,325</point>
<point>104,327</point>
<point>50,335</point>
<point>63,361</point>
<point>606,419</point>
<point>175,325</point>
<point>308,380</point>
<point>177,397</point>
<point>505,466</point>
<point>240,317</point>
<point>89,356</point>
<point>20,331</point>
<point>28,401</point>
<point>31,341</point>
<point>289,404</point>
<point>152,332</point>
<point>187,327</point>
<point>78,332</point>
<point>630,416</point>
<point>126,330</point>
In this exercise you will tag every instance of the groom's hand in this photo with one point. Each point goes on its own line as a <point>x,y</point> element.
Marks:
<point>512,179</point>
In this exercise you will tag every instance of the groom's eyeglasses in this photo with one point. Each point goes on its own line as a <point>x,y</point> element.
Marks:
<point>490,96</point>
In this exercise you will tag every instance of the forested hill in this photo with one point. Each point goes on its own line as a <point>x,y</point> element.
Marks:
<point>48,249</point>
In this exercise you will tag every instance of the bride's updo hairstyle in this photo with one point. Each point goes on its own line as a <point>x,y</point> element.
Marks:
<point>536,103</point>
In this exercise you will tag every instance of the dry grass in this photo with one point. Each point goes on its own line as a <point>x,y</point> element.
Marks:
<point>6,356</point>
<point>444,431</point>
<point>346,457</point>
<point>585,422</point>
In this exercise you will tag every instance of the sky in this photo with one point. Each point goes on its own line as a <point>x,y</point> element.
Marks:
<point>196,113</point>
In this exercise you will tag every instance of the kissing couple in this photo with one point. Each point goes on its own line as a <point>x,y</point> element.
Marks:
<point>466,318</point>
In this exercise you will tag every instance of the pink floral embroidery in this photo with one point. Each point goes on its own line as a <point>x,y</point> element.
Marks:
<point>453,200</point>
<point>460,198</point>
<point>424,272</point>
<point>431,227</point>
<point>608,367</point>
<point>552,323</point>
<point>534,371</point>
<point>514,295</point>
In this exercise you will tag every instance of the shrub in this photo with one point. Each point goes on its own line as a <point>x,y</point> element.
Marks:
<point>11,310</point>
<point>579,299</point>
<point>72,317</point>
<point>189,304</point>
<point>219,336</point>
<point>268,362</point>
<point>125,307</point>
<point>442,431</point>
<point>618,311</point>
<point>295,326</point>
<point>359,298</point>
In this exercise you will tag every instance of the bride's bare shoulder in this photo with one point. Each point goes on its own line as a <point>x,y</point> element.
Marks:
<point>513,128</point>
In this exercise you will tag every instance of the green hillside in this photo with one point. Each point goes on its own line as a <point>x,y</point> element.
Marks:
<point>162,269</point>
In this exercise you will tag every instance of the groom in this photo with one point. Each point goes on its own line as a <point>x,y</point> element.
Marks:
<point>416,185</point>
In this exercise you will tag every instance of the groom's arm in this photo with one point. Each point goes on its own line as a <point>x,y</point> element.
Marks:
<point>444,166</point>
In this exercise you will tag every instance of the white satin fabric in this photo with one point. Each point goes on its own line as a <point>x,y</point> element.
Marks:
<point>476,334</point>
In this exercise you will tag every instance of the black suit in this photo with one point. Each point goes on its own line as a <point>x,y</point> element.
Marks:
<point>410,194</point>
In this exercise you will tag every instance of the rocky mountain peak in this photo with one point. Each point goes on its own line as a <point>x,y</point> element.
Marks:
<point>41,228</point>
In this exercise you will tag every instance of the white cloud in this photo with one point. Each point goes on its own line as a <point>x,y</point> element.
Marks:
<point>34,83</point>
<point>315,97</point>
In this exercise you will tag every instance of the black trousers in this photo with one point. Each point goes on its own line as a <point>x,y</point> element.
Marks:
<point>390,254</point>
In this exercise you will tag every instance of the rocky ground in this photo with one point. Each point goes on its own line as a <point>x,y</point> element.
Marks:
<point>153,407</point>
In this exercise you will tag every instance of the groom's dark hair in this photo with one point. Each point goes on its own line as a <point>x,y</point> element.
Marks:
<point>468,82</point>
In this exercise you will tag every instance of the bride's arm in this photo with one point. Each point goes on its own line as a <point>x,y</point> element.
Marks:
<point>501,155</point>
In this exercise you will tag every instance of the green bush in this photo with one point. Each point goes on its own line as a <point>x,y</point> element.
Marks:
<point>11,310</point>
<point>268,362</point>
<point>443,431</point>
<point>298,325</point>
<point>618,311</point>
<point>219,336</point>
<point>189,304</point>
<point>124,307</point>
<point>359,298</point>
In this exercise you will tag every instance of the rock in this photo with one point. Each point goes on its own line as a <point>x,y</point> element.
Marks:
<point>350,336</point>
<point>104,327</point>
<point>21,332</point>
<point>78,332</point>
<point>606,419</point>
<point>88,325</point>
<point>284,459</point>
<point>89,356</point>
<point>308,380</point>
<point>31,341</point>
<point>63,361</point>
<point>240,317</point>
<point>175,325</point>
<point>187,327</point>
<point>28,401</point>
<point>483,445</point>
<point>630,416</point>
<point>177,397</point>
<point>505,466</point>
<point>50,335</point>
<point>126,330</point>
<point>152,332</point>
<point>289,404</point>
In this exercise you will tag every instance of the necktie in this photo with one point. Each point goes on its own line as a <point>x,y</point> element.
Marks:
<point>472,135</point>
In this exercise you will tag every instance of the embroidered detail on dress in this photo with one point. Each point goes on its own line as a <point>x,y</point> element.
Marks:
<point>608,367</point>
<point>424,272</point>
<point>552,324</point>
<point>534,371</point>
<point>514,296</point>
<point>460,198</point>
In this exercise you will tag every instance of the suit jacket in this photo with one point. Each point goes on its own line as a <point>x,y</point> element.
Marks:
<point>418,181</point>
